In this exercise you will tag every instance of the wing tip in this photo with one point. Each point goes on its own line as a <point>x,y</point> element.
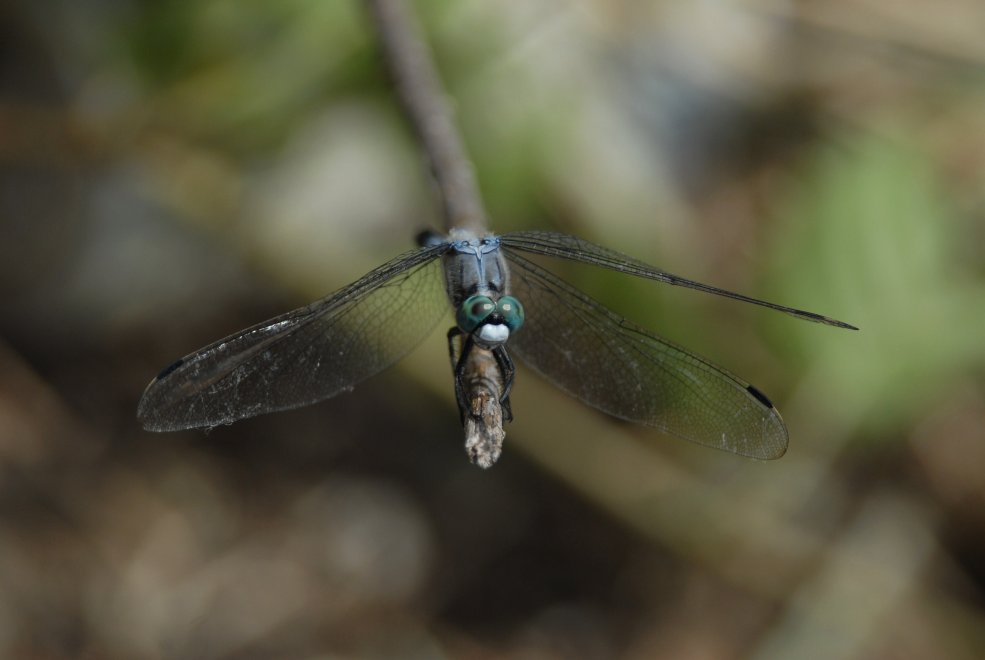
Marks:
<point>769,450</point>
<point>838,324</point>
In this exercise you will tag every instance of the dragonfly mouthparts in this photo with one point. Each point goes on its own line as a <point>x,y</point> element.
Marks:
<point>493,334</point>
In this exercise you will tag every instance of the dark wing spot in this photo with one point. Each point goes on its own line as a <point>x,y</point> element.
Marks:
<point>759,396</point>
<point>170,368</point>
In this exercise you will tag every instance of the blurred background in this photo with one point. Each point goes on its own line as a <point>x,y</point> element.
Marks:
<point>173,171</point>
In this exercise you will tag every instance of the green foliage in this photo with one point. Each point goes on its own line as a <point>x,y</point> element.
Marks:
<point>870,241</point>
<point>244,72</point>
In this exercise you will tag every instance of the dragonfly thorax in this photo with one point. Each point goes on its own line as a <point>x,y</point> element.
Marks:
<point>474,265</point>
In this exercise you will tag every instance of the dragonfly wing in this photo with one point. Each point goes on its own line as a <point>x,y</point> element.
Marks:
<point>573,248</point>
<point>306,355</point>
<point>601,358</point>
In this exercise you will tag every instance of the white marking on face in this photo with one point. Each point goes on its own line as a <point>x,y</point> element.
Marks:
<point>494,333</point>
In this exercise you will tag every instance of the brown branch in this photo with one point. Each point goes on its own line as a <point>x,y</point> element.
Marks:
<point>428,110</point>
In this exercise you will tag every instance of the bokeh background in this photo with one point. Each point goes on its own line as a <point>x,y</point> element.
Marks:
<point>172,171</point>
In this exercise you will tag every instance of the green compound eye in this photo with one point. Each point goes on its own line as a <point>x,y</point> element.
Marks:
<point>512,312</point>
<point>473,312</point>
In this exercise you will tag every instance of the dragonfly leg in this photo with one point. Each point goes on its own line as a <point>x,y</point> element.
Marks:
<point>458,350</point>
<point>508,371</point>
<point>460,347</point>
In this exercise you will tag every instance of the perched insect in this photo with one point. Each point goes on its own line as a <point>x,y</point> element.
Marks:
<point>504,303</point>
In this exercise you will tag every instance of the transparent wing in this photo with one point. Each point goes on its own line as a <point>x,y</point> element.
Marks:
<point>597,356</point>
<point>577,249</point>
<point>306,355</point>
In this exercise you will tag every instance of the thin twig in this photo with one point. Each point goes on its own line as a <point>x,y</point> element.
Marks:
<point>428,110</point>
<point>427,107</point>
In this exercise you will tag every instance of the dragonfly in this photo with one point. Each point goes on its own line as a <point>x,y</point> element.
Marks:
<point>505,304</point>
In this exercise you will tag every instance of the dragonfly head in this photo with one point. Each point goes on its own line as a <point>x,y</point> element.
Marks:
<point>489,322</point>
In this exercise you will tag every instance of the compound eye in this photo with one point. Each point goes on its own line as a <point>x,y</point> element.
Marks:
<point>473,312</point>
<point>512,312</point>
